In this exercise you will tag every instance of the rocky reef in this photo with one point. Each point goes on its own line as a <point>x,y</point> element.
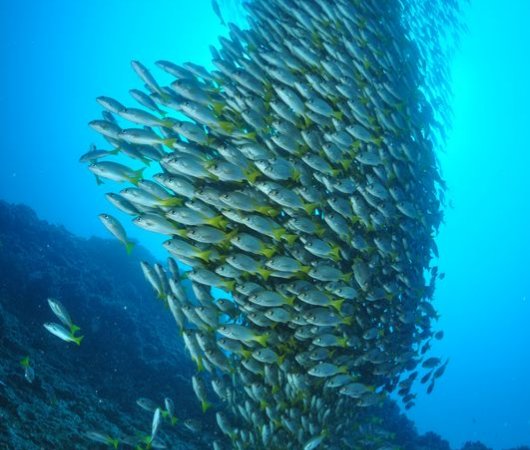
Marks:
<point>131,347</point>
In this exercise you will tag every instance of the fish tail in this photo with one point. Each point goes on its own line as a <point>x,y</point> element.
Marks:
<point>205,255</point>
<point>252,174</point>
<point>218,108</point>
<point>310,207</point>
<point>171,201</point>
<point>343,342</point>
<point>335,254</point>
<point>137,176</point>
<point>278,233</point>
<point>217,222</point>
<point>346,163</point>
<point>265,273</point>
<point>339,115</point>
<point>169,142</point>
<point>77,339</point>
<point>337,304</point>
<point>129,247</point>
<point>205,405</point>
<point>320,231</point>
<point>346,277</point>
<point>290,238</point>
<point>290,300</point>
<point>227,127</point>
<point>263,405</point>
<point>347,320</point>
<point>246,353</point>
<point>268,251</point>
<point>74,328</point>
<point>200,365</point>
<point>229,285</point>
<point>261,339</point>
<point>167,122</point>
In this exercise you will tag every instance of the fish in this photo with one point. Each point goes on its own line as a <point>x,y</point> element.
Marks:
<point>116,228</point>
<point>217,11</point>
<point>103,438</point>
<point>62,333</point>
<point>29,371</point>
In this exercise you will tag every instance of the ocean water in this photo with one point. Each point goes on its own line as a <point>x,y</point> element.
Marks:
<point>57,56</point>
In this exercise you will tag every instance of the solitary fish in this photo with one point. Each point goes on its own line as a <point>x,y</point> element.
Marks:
<point>116,228</point>
<point>63,333</point>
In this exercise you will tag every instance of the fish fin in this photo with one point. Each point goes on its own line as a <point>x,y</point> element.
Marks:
<point>347,320</point>
<point>290,300</point>
<point>278,233</point>
<point>99,181</point>
<point>261,339</point>
<point>229,285</point>
<point>137,176</point>
<point>304,269</point>
<point>24,362</point>
<point>320,231</point>
<point>77,339</point>
<point>169,142</point>
<point>129,247</point>
<point>204,255</point>
<point>268,211</point>
<point>252,174</point>
<point>218,108</point>
<point>167,122</point>
<point>296,175</point>
<point>290,238</point>
<point>335,254</point>
<point>171,201</point>
<point>251,135</point>
<point>217,222</point>
<point>337,304</point>
<point>265,273</point>
<point>227,127</point>
<point>310,207</point>
<point>346,277</point>
<point>205,406</point>
<point>339,115</point>
<point>268,252</point>
<point>345,163</point>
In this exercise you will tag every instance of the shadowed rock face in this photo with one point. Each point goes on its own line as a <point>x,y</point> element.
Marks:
<point>131,348</point>
<point>305,184</point>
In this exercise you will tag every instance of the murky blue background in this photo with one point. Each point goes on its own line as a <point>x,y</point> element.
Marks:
<point>57,56</point>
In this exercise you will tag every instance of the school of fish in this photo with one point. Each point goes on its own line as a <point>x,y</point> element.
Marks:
<point>300,193</point>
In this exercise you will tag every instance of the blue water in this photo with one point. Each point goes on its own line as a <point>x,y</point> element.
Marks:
<point>57,56</point>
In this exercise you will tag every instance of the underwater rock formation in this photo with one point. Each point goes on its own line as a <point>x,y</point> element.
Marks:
<point>130,349</point>
<point>301,178</point>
